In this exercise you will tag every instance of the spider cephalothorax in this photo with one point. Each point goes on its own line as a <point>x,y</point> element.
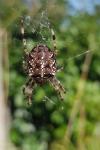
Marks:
<point>40,66</point>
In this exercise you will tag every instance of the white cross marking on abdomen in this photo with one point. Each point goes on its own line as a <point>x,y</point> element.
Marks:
<point>42,64</point>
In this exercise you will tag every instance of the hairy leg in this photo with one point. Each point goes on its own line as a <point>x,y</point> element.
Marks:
<point>28,90</point>
<point>54,41</point>
<point>57,86</point>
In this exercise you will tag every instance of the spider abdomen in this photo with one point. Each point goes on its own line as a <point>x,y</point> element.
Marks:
<point>41,62</point>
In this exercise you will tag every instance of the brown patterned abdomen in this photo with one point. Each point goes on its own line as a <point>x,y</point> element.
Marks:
<point>41,62</point>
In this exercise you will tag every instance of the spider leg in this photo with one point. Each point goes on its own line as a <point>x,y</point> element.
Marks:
<point>59,69</point>
<point>54,40</point>
<point>28,90</point>
<point>58,86</point>
<point>26,53</point>
<point>23,35</point>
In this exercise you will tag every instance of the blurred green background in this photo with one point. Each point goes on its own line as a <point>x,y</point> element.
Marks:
<point>50,124</point>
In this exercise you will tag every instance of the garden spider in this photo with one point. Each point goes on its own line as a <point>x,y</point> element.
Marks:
<point>40,66</point>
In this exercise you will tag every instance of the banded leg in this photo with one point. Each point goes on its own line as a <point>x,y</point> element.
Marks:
<point>54,40</point>
<point>28,90</point>
<point>26,53</point>
<point>58,87</point>
<point>23,35</point>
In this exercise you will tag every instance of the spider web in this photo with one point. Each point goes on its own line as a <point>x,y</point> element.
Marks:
<point>44,28</point>
<point>41,26</point>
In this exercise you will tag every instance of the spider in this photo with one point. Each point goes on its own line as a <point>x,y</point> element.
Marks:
<point>40,66</point>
